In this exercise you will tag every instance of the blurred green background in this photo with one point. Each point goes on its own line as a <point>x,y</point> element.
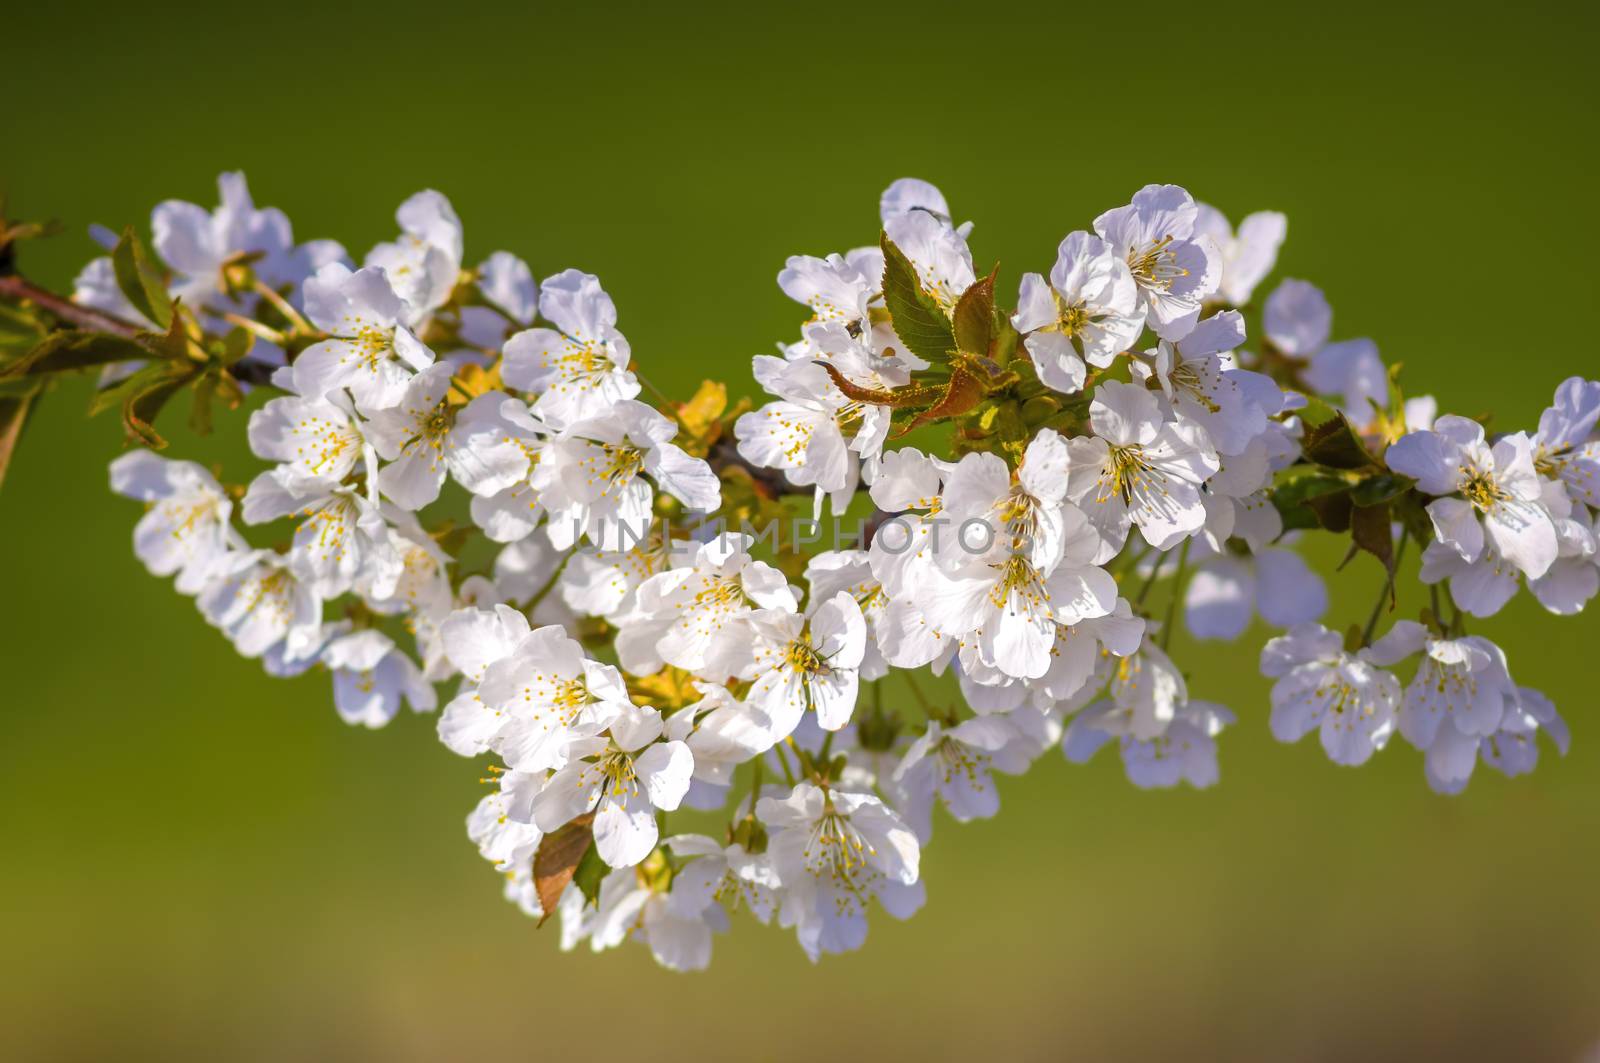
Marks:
<point>201,862</point>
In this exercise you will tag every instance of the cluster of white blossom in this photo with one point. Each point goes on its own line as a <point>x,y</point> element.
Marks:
<point>626,653</point>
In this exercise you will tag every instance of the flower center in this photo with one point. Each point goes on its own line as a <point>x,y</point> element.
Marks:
<point>622,464</point>
<point>1071,318</point>
<point>1551,463</point>
<point>271,591</point>
<point>1455,683</point>
<point>187,517</point>
<point>1156,266</point>
<point>1018,577</point>
<point>850,418</point>
<point>583,360</point>
<point>1126,473</point>
<point>327,439</point>
<point>1479,487</point>
<point>1186,377</point>
<point>959,759</point>
<point>803,657</point>
<point>372,345</point>
<point>617,769</point>
<point>836,850</point>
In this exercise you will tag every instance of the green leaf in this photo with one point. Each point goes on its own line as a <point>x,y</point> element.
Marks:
<point>17,387</point>
<point>205,391</point>
<point>63,352</point>
<point>20,331</point>
<point>233,346</point>
<point>1303,494</point>
<point>1370,531</point>
<point>1316,413</point>
<point>142,397</point>
<point>122,390</point>
<point>917,318</point>
<point>590,871</point>
<point>1335,443</point>
<point>1299,483</point>
<point>14,412</point>
<point>1005,420</point>
<point>141,282</point>
<point>140,411</point>
<point>1332,511</point>
<point>1379,489</point>
<point>1411,512</point>
<point>1004,338</point>
<point>1298,518</point>
<point>172,343</point>
<point>974,317</point>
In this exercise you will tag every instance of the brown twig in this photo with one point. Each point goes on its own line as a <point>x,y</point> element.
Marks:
<point>725,455</point>
<point>84,317</point>
<point>14,286</point>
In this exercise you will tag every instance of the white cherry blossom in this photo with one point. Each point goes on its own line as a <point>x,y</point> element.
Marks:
<point>956,765</point>
<point>502,824</point>
<point>341,538</point>
<point>1196,375</point>
<point>370,351</point>
<point>371,678</point>
<point>835,289</point>
<point>1512,749</point>
<point>1175,268</point>
<point>1247,255</point>
<point>835,851</point>
<point>1086,312</point>
<point>631,905</point>
<point>685,608</point>
<point>198,244</point>
<point>579,369</point>
<point>797,662</point>
<point>1297,318</point>
<point>1227,589</point>
<point>1565,447</point>
<point>426,435</point>
<point>623,778</point>
<point>597,477</point>
<point>937,251</point>
<point>536,696</point>
<point>1459,681</point>
<point>1500,499</point>
<point>1349,700</point>
<point>185,532</point>
<point>257,601</point>
<point>316,438</point>
<point>1186,751</point>
<point>425,260</point>
<point>728,876</point>
<point>1139,469</point>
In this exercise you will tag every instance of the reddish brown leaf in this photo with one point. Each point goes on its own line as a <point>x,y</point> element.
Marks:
<point>897,398</point>
<point>974,317</point>
<point>962,395</point>
<point>557,859</point>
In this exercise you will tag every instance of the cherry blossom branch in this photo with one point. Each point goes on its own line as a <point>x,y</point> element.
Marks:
<point>667,671</point>
<point>19,288</point>
<point>725,455</point>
